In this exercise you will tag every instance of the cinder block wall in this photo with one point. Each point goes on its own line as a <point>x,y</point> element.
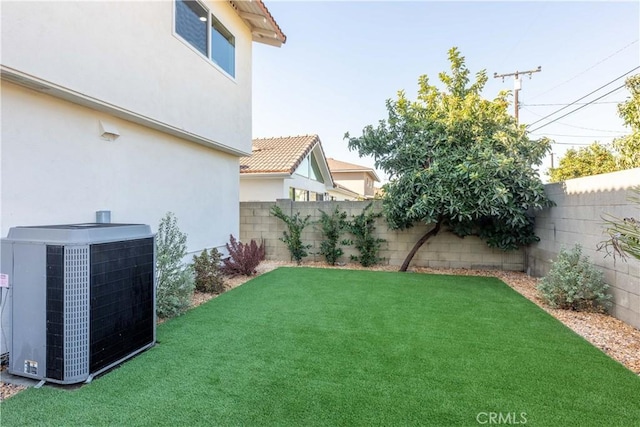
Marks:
<point>577,218</point>
<point>443,251</point>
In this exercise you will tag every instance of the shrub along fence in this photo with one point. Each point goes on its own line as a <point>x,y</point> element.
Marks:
<point>443,251</point>
<point>582,203</point>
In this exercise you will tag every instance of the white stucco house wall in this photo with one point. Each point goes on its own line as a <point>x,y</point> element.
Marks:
<point>292,167</point>
<point>138,108</point>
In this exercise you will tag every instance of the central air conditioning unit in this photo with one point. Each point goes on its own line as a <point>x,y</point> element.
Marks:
<point>82,298</point>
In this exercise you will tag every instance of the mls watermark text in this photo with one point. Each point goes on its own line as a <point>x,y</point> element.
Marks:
<point>504,418</point>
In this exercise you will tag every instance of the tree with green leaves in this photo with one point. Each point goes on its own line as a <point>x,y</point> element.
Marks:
<point>592,160</point>
<point>623,153</point>
<point>628,146</point>
<point>457,160</point>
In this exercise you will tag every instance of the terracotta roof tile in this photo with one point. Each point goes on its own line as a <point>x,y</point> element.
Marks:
<point>262,6</point>
<point>251,12</point>
<point>278,155</point>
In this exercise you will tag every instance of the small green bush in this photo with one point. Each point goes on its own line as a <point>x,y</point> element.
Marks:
<point>332,227</point>
<point>174,280</point>
<point>292,238</point>
<point>574,283</point>
<point>206,266</point>
<point>363,227</point>
<point>243,257</point>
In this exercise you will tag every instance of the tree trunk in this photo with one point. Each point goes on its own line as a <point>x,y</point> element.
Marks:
<point>419,243</point>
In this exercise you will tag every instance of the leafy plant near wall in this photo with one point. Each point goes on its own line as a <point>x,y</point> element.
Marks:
<point>332,227</point>
<point>293,237</point>
<point>243,257</point>
<point>175,282</point>
<point>624,234</point>
<point>574,283</point>
<point>363,228</point>
<point>207,270</point>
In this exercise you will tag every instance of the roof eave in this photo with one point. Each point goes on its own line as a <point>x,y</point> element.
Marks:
<point>324,165</point>
<point>371,171</point>
<point>272,175</point>
<point>344,191</point>
<point>263,26</point>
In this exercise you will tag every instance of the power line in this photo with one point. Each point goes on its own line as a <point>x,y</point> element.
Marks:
<point>571,143</point>
<point>580,136</point>
<point>588,69</point>
<point>579,108</point>
<point>580,127</point>
<point>527,31</point>
<point>583,97</point>
<point>576,103</point>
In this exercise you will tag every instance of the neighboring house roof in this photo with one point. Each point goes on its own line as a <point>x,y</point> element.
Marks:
<point>339,166</point>
<point>283,155</point>
<point>264,27</point>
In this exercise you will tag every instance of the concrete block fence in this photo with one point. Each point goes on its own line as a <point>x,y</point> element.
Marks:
<point>578,218</point>
<point>442,251</point>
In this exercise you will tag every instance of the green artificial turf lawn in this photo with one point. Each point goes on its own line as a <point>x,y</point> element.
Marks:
<point>302,346</point>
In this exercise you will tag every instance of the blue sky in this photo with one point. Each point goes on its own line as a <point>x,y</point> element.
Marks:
<point>342,60</point>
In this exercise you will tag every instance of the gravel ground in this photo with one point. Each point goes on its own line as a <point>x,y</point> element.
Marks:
<point>619,340</point>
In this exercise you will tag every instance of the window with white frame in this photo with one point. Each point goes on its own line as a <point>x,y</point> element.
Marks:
<point>223,47</point>
<point>198,27</point>
<point>299,195</point>
<point>309,168</point>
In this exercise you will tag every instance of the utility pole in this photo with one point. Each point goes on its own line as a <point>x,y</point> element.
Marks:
<point>517,85</point>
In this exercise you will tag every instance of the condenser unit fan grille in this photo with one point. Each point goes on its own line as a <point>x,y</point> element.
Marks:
<point>122,306</point>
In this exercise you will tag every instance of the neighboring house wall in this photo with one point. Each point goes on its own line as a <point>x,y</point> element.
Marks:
<point>57,169</point>
<point>340,194</point>
<point>259,189</point>
<point>354,181</point>
<point>577,218</point>
<point>254,189</point>
<point>356,178</point>
<point>443,251</point>
<point>301,182</point>
<point>125,54</point>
